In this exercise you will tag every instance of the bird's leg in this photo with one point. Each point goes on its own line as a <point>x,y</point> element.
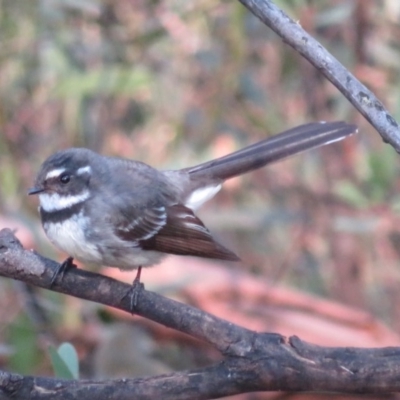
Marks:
<point>135,290</point>
<point>137,277</point>
<point>61,269</point>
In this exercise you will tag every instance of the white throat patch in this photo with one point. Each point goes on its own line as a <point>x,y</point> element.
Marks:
<point>51,202</point>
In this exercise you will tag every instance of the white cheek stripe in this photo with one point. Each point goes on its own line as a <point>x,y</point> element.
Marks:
<point>54,202</point>
<point>54,173</point>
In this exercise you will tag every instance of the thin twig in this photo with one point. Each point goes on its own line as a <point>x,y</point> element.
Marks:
<point>358,94</point>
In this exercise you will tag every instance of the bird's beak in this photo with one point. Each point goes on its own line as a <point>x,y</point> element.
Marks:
<point>35,190</point>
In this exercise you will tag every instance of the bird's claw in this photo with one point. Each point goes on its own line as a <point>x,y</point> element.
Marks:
<point>61,269</point>
<point>134,291</point>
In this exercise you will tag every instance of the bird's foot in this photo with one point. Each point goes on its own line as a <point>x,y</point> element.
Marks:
<point>134,291</point>
<point>61,269</point>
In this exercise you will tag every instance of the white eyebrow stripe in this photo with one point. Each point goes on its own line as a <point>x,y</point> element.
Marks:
<point>84,170</point>
<point>51,202</point>
<point>54,173</point>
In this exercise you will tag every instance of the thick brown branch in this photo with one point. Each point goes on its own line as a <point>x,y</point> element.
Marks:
<point>253,361</point>
<point>30,267</point>
<point>358,94</point>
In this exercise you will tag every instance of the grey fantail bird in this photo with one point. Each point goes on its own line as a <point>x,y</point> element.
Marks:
<point>126,214</point>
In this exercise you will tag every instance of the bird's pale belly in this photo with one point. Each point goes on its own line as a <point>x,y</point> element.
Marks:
<point>69,236</point>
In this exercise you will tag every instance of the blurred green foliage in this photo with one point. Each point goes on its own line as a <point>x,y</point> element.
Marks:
<point>26,356</point>
<point>381,171</point>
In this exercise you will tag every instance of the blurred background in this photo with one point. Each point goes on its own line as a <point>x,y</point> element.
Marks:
<point>174,83</point>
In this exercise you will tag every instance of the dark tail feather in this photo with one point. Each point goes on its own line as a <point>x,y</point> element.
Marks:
<point>292,141</point>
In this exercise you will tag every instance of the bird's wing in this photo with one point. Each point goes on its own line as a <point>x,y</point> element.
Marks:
<point>148,213</point>
<point>185,234</point>
<point>175,230</point>
<point>138,225</point>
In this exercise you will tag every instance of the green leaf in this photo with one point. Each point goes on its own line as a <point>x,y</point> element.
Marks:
<point>65,361</point>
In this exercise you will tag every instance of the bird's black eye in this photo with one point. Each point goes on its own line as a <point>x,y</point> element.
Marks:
<point>65,178</point>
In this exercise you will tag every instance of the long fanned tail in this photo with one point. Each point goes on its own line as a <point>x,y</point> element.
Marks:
<point>184,233</point>
<point>285,144</point>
